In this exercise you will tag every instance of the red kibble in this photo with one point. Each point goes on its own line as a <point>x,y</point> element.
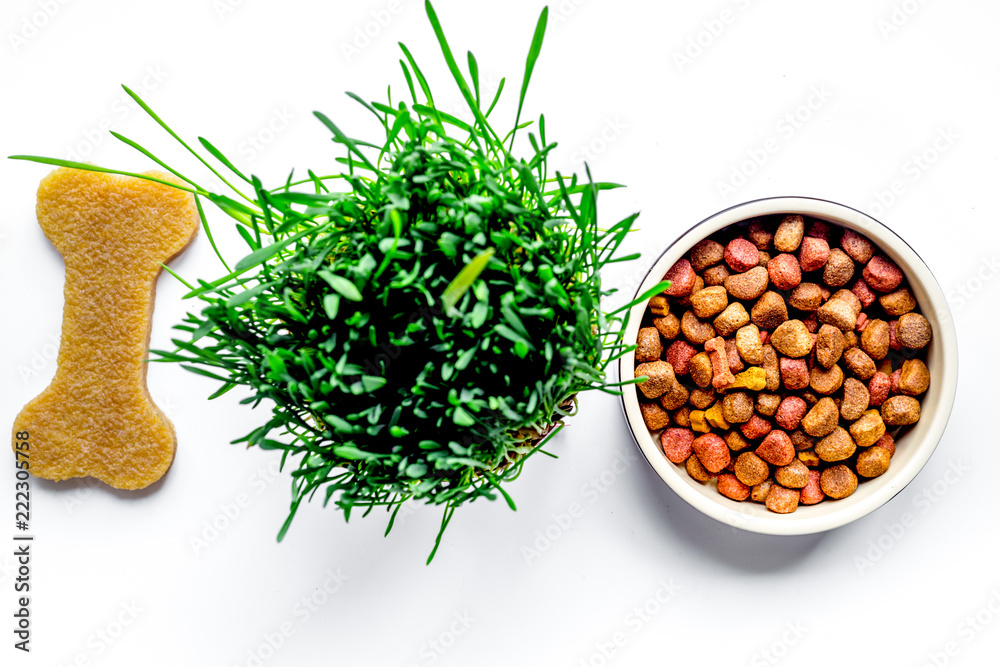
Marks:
<point>794,373</point>
<point>777,448</point>
<point>894,382</point>
<point>864,293</point>
<point>712,452</point>
<point>681,276</point>
<point>878,389</point>
<point>790,412</point>
<point>733,356</point>
<point>813,253</point>
<point>887,443</point>
<point>679,355</point>
<point>782,500</point>
<point>755,428</point>
<point>812,324</point>
<point>741,255</point>
<point>820,230</point>
<point>812,493</point>
<point>862,323</point>
<point>881,274</point>
<point>784,272</point>
<point>677,444</point>
<point>765,336</point>
<point>733,488</point>
<point>894,343</point>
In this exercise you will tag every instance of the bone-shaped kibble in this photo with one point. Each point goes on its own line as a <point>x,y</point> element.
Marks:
<point>722,377</point>
<point>96,418</point>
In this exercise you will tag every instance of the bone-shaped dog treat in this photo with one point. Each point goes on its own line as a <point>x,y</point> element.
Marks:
<point>96,418</point>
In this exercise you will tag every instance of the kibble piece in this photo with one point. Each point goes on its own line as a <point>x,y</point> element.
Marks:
<point>855,400</point>
<point>700,368</point>
<point>781,500</point>
<point>857,247</point>
<point>758,493</point>
<point>748,344</point>
<point>894,381</point>
<point>733,355</point>
<point>709,302</point>
<point>753,378</point>
<point>705,253</point>
<point>819,229</point>
<point>881,274</point>
<point>795,475</point>
<point>777,448</point>
<point>913,331</point>
<point>676,444</point>
<point>675,396</point>
<point>859,363</point>
<point>732,488</point>
<point>749,285</point>
<point>887,443</point>
<point>807,297</point>
<point>850,340</point>
<point>794,373</point>
<point>722,377</point>
<point>873,462</point>
<point>731,319</point>
<point>813,253</point>
<point>836,446</point>
<point>735,441</point>
<point>698,421</point>
<point>801,440</point>
<point>809,458</point>
<point>737,407</point>
<point>822,418</point>
<point>712,451</point>
<point>695,330</point>
<point>900,410</point>
<point>755,428</point>
<point>660,378</point>
<point>850,298</point>
<point>682,417</point>
<point>699,284</point>
<point>812,492</point>
<point>741,255</point>
<point>769,311</point>
<point>681,277</point>
<point>914,378</point>
<point>701,398</point>
<point>654,416</point>
<point>715,418</point>
<point>679,355</point>
<point>784,271</point>
<point>715,275</point>
<point>751,469</point>
<point>659,306</point>
<point>839,268</point>
<point>789,233</point>
<point>790,413</point>
<point>824,381</point>
<point>760,234</point>
<point>767,404</point>
<point>838,481</point>
<point>792,339</point>
<point>878,389</point>
<point>868,429</point>
<point>697,471</point>
<point>829,345</point>
<point>839,313</point>
<point>864,293</point>
<point>875,339</point>
<point>772,369</point>
<point>898,303</point>
<point>648,345</point>
<point>669,326</point>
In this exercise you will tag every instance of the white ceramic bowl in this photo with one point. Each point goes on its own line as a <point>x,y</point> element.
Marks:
<point>914,446</point>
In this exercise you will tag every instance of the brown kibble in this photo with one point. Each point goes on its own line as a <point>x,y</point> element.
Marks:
<point>900,410</point>
<point>731,319</point>
<point>700,368</point>
<point>654,416</point>
<point>838,481</point>
<point>898,303</point>
<point>873,462</point>
<point>681,277</point>
<point>868,429</point>
<point>850,340</point>
<point>701,398</point>
<point>676,444</point>
<point>737,407</point>
<point>875,339</point>
<point>839,268</point>
<point>789,234</point>
<point>784,271</point>
<point>829,345</point>
<point>769,311</point>
<point>792,339</point>
<point>859,363</point>
<point>758,494</point>
<point>709,302</point>
<point>648,345</point>
<point>813,253</point>
<point>850,298</point>
<point>809,458</point>
<point>695,330</point>
<point>765,257</point>
<point>772,370</point>
<point>857,247</point>
<point>777,448</point>
<point>855,400</point>
<point>749,285</point>
<point>913,331</point>
<point>716,275</point>
<point>735,441</point>
<point>822,418</point>
<point>826,382</point>
<point>836,446</point>
<point>660,378</point>
<point>705,253</point>
<point>839,313</point>
<point>674,397</point>
<point>781,500</point>
<point>767,404</point>
<point>659,306</point>
<point>748,344</point>
<point>668,326</point>
<point>801,440</point>
<point>794,373</point>
<point>697,471</point>
<point>751,469</point>
<point>807,297</point>
<point>795,475</point>
<point>914,378</point>
<point>682,417</point>
<point>760,235</point>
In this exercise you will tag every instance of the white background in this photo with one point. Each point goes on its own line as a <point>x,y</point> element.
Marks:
<point>833,100</point>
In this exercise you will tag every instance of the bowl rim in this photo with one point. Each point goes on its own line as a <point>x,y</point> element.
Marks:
<point>934,305</point>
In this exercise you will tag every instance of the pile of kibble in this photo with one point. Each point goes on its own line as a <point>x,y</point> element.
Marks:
<point>781,360</point>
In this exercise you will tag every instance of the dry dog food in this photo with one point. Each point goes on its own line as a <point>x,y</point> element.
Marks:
<point>784,361</point>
